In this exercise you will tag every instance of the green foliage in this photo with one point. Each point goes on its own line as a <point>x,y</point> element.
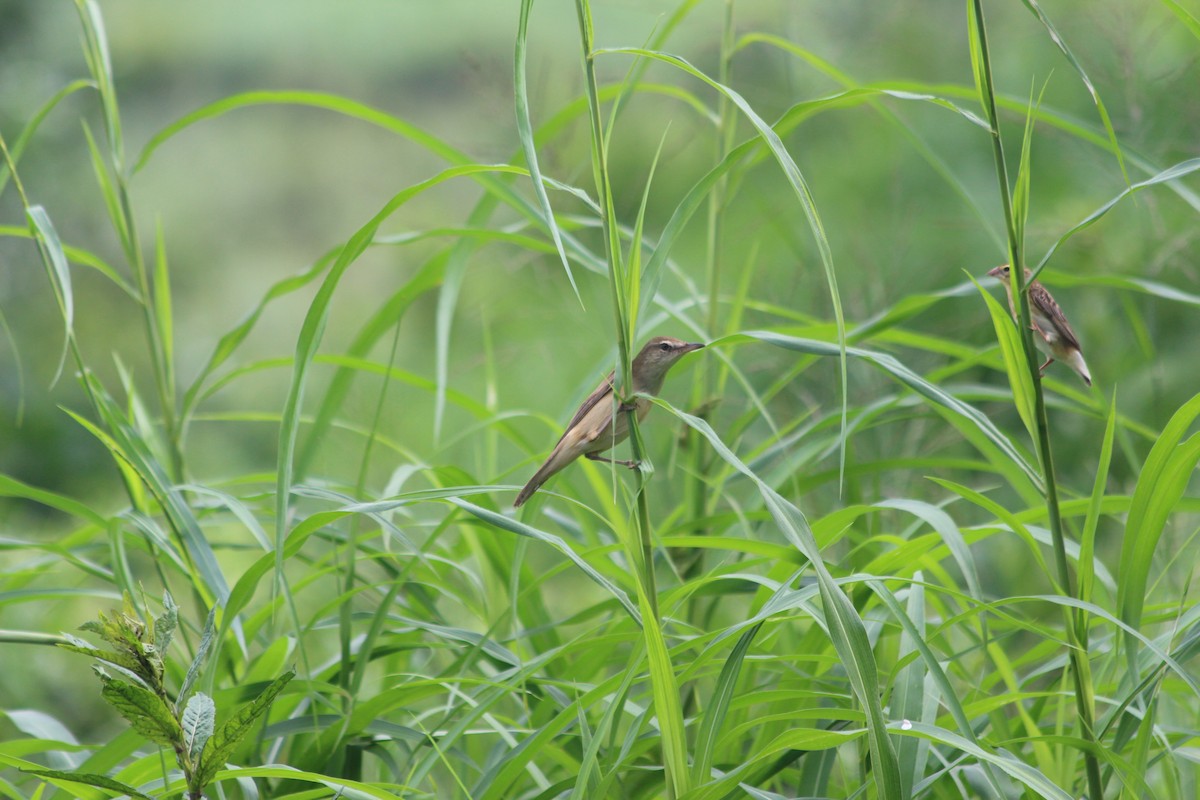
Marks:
<point>146,705</point>
<point>869,551</point>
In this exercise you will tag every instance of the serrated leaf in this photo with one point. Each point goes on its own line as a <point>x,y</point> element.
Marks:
<point>166,623</point>
<point>228,735</point>
<point>75,641</point>
<point>92,626</point>
<point>112,657</point>
<point>198,721</point>
<point>88,779</point>
<point>206,640</point>
<point>146,712</point>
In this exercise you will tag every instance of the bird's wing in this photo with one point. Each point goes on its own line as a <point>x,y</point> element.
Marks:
<point>1042,299</point>
<point>602,392</point>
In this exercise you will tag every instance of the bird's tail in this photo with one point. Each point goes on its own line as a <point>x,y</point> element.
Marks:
<point>1077,363</point>
<point>535,483</point>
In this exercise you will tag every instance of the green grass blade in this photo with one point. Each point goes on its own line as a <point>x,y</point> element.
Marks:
<point>1087,540</point>
<point>1061,44</point>
<point>846,630</point>
<point>521,529</point>
<point>55,260</point>
<point>1162,482</point>
<point>1168,176</point>
<point>1019,378</point>
<point>528,146</point>
<point>1018,769</point>
<point>163,316</point>
<point>1189,20</point>
<point>908,702</point>
<point>800,188</point>
<point>35,121</point>
<point>718,707</point>
<point>900,372</point>
<point>314,327</point>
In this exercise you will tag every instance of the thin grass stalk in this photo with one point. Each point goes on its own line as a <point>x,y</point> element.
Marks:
<point>131,489</point>
<point>705,393</point>
<point>1080,669</point>
<point>665,688</point>
<point>96,50</point>
<point>346,676</point>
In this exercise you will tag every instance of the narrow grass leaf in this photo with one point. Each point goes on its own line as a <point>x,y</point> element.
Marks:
<point>133,450</point>
<point>589,762</point>
<point>800,188</point>
<point>665,689</point>
<point>528,145</point>
<point>846,629</point>
<point>229,342</point>
<point>1059,42</point>
<point>946,528</point>
<point>1002,514</point>
<point>87,779</point>
<point>1170,175</point>
<point>108,190</point>
<point>11,487</point>
<point>35,120</point>
<point>896,369</point>
<point>453,271</point>
<point>718,707</point>
<point>59,273</point>
<point>100,65</point>
<point>1087,540</point>
<point>1189,20</point>
<point>163,317</point>
<point>1161,484</point>
<point>1157,648</point>
<point>1014,360</point>
<point>341,788</point>
<point>936,672</point>
<point>1033,779</point>
<point>908,702</point>
<point>521,529</point>
<point>313,330</point>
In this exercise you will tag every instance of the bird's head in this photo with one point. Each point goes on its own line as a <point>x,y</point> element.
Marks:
<point>658,356</point>
<point>1000,272</point>
<point>1004,273</point>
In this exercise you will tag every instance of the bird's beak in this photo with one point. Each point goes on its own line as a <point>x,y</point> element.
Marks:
<point>690,346</point>
<point>996,272</point>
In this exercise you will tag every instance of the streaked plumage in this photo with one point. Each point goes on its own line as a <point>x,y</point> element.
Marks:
<point>592,430</point>
<point>1055,338</point>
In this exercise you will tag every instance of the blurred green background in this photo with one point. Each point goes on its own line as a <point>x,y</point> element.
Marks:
<point>251,197</point>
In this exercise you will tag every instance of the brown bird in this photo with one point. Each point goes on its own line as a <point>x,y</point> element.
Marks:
<point>593,429</point>
<point>1055,338</point>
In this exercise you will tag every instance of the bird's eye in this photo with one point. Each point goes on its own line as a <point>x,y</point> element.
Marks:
<point>665,347</point>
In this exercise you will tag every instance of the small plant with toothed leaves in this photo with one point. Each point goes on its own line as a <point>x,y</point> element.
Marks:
<point>137,691</point>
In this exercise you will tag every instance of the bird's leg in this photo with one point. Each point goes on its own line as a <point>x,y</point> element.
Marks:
<point>1042,368</point>
<point>598,457</point>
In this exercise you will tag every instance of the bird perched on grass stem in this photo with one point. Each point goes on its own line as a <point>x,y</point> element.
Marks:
<point>1054,336</point>
<point>593,429</point>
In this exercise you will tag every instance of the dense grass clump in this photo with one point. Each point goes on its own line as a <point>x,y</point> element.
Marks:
<point>869,550</point>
